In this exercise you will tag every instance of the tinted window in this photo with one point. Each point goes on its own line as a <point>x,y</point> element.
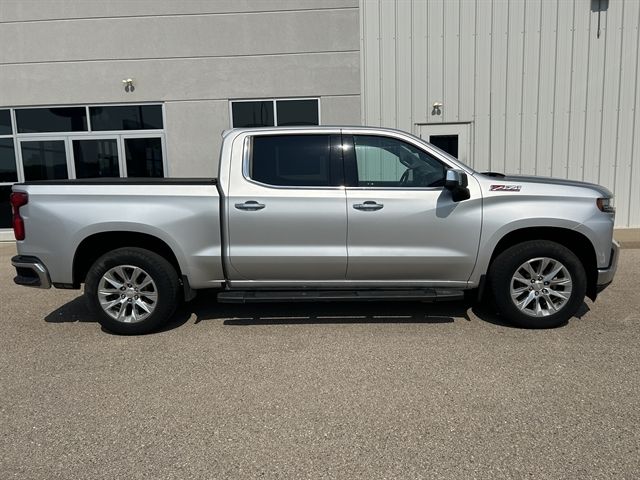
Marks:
<point>292,160</point>
<point>252,114</point>
<point>44,160</point>
<point>96,158</point>
<point>297,112</point>
<point>5,206</point>
<point>5,122</point>
<point>387,162</point>
<point>127,117</point>
<point>35,120</point>
<point>7,161</point>
<point>144,157</point>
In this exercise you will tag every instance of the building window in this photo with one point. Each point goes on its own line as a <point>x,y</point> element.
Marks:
<point>126,117</point>
<point>8,167</point>
<point>275,112</point>
<point>91,141</point>
<point>45,120</point>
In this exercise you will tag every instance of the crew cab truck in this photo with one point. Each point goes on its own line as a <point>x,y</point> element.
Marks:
<point>318,214</point>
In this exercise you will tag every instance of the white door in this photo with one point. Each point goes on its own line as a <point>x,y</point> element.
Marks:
<point>453,138</point>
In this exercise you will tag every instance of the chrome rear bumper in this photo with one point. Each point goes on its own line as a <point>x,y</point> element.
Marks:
<point>31,272</point>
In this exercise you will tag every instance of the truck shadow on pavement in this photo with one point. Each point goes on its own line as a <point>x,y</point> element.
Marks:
<point>205,307</point>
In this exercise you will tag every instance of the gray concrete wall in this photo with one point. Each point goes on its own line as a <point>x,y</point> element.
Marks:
<point>193,55</point>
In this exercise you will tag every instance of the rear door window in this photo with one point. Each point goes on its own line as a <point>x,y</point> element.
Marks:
<point>296,160</point>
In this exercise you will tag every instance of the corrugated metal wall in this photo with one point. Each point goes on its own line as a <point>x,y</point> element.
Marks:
<point>544,93</point>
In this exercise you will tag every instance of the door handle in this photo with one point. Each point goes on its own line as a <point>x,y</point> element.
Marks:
<point>368,206</point>
<point>250,205</point>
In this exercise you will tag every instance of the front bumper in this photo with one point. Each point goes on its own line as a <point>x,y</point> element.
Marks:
<point>31,272</point>
<point>605,275</point>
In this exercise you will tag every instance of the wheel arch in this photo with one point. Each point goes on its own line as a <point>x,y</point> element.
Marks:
<point>578,243</point>
<point>96,245</point>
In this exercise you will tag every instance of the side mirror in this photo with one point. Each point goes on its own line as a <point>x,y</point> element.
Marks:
<point>455,180</point>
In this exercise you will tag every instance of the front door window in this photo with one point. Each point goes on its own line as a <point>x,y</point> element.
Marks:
<point>385,162</point>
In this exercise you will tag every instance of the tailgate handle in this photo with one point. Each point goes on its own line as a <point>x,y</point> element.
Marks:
<point>368,206</point>
<point>250,205</point>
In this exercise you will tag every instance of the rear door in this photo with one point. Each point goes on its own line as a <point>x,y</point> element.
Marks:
<point>286,210</point>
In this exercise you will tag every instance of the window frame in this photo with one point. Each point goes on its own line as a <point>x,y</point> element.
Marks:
<point>351,164</point>
<point>247,153</point>
<point>275,109</point>
<point>89,134</point>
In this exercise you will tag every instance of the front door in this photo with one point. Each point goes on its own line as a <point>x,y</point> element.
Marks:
<point>403,224</point>
<point>286,210</point>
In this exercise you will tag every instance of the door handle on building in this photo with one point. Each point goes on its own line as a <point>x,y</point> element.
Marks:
<point>368,206</point>
<point>250,205</point>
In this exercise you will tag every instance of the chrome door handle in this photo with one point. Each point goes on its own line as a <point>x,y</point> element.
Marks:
<point>250,205</point>
<point>368,206</point>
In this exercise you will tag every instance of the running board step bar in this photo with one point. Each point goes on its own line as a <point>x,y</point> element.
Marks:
<point>261,296</point>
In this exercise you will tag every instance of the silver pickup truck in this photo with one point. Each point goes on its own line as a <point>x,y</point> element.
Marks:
<point>318,214</point>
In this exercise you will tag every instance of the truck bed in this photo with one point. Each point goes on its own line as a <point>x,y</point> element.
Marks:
<point>184,213</point>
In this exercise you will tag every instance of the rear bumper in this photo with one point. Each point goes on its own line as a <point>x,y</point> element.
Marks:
<point>605,275</point>
<point>30,272</point>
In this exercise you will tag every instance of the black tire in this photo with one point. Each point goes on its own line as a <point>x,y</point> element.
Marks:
<point>507,263</point>
<point>158,269</point>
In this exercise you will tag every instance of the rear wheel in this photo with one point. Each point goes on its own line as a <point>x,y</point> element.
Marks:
<point>132,290</point>
<point>538,284</point>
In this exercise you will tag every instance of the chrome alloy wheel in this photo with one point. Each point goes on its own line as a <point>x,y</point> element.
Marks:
<point>541,287</point>
<point>127,294</point>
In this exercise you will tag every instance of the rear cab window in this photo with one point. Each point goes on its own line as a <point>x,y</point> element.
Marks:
<point>313,160</point>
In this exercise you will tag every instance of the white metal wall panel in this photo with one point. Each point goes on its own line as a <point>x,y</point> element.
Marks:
<point>546,89</point>
<point>514,83</point>
<point>530,76</point>
<point>562,90</point>
<point>634,168</point>
<point>627,150</point>
<point>498,61</point>
<point>581,40</point>
<point>388,62</point>
<point>544,94</point>
<point>420,55</point>
<point>404,58</point>
<point>606,159</point>
<point>451,64</point>
<point>482,110</point>
<point>466,89</point>
<point>435,49</point>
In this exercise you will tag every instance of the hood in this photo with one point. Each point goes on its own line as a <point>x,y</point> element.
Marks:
<point>498,177</point>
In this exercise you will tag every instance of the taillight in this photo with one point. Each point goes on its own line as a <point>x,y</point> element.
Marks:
<point>18,199</point>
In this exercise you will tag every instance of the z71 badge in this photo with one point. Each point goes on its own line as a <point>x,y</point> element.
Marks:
<point>505,188</point>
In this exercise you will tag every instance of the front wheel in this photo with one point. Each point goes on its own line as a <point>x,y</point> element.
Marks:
<point>132,290</point>
<point>538,284</point>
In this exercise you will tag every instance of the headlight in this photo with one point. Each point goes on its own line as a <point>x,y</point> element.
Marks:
<point>605,205</point>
